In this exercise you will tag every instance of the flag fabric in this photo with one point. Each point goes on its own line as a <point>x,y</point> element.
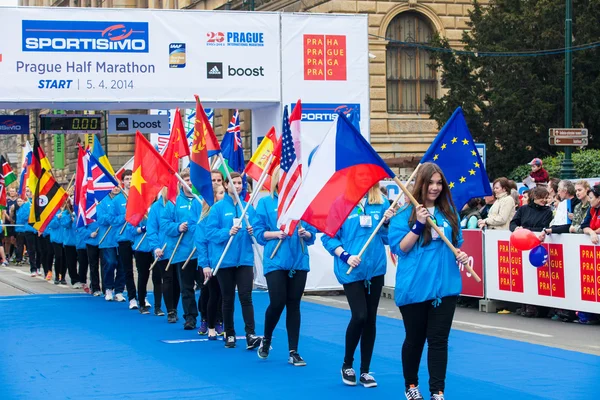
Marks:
<point>291,170</point>
<point>3,204</point>
<point>269,145</point>
<point>7,171</point>
<point>48,195</point>
<point>454,151</point>
<point>177,148</point>
<point>100,155</point>
<point>205,145</point>
<point>233,151</point>
<point>127,166</point>
<point>150,174</point>
<point>80,195</point>
<point>24,176</point>
<point>102,181</point>
<point>342,171</point>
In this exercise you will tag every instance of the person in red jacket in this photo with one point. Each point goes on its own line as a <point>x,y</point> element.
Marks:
<point>538,173</point>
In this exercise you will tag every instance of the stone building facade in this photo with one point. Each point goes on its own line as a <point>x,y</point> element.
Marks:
<point>400,77</point>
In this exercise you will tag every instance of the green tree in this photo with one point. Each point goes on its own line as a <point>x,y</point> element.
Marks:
<point>510,102</point>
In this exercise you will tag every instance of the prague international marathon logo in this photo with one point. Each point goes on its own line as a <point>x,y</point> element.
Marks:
<point>85,36</point>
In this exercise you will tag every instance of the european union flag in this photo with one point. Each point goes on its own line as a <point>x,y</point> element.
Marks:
<point>454,151</point>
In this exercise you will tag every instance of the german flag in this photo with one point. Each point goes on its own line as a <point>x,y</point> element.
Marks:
<point>48,195</point>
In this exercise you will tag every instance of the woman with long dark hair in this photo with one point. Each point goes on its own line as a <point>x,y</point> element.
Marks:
<point>428,280</point>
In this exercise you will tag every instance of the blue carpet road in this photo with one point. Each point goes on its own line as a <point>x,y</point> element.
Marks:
<point>81,347</point>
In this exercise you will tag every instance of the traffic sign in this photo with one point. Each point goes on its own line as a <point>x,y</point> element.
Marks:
<point>568,132</point>
<point>568,141</point>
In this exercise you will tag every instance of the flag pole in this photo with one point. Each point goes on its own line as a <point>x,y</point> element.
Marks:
<point>437,229</point>
<point>140,242</point>
<point>261,181</point>
<point>175,251</point>
<point>104,237</point>
<point>156,260</point>
<point>364,248</point>
<point>189,258</point>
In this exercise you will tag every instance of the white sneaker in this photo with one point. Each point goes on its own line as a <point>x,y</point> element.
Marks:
<point>109,295</point>
<point>97,293</point>
<point>148,303</point>
<point>133,304</point>
<point>77,286</point>
<point>119,297</point>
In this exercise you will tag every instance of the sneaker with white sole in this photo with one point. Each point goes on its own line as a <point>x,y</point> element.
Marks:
<point>437,396</point>
<point>367,380</point>
<point>296,360</point>
<point>413,393</point>
<point>133,304</point>
<point>349,376</point>
<point>77,286</point>
<point>97,293</point>
<point>148,303</point>
<point>119,297</point>
<point>109,295</point>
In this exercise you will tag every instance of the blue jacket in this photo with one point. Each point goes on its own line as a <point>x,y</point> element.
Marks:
<point>203,247</point>
<point>425,272</point>
<point>68,225</point>
<point>218,224</point>
<point>352,237</point>
<point>88,230</point>
<point>81,235</point>
<point>156,239</point>
<point>55,229</point>
<point>23,218</point>
<point>146,245</point>
<point>291,254</point>
<point>186,209</point>
<point>118,212</point>
<point>104,213</point>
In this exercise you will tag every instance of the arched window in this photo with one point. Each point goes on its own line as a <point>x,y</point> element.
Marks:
<point>409,77</point>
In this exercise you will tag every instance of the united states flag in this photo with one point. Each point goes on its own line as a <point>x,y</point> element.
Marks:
<point>291,171</point>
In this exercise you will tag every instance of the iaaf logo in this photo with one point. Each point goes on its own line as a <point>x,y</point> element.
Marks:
<point>85,36</point>
<point>326,112</point>
<point>243,39</point>
<point>10,125</point>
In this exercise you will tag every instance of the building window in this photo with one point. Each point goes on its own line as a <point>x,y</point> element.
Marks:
<point>410,79</point>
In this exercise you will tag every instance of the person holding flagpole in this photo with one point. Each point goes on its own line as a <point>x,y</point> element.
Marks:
<point>236,268</point>
<point>32,239</point>
<point>428,281</point>
<point>285,273</point>
<point>364,284</point>
<point>109,249</point>
<point>143,260</point>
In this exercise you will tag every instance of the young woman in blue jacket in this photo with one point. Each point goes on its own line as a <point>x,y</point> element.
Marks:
<point>364,284</point>
<point>236,270</point>
<point>32,241</point>
<point>285,273</point>
<point>428,280</point>
<point>210,302</point>
<point>68,225</point>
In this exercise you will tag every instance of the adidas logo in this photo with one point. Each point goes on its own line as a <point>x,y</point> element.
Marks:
<point>122,124</point>
<point>214,71</point>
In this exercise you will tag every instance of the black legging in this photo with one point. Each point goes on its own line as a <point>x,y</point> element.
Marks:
<point>46,253</point>
<point>285,292</point>
<point>187,283</point>
<point>82,260</point>
<point>170,285</point>
<point>423,321</point>
<point>71,263</point>
<point>363,299</point>
<point>143,260</point>
<point>211,303</point>
<point>126,256</point>
<point>33,249</point>
<point>60,267</point>
<point>93,257</point>
<point>229,278</point>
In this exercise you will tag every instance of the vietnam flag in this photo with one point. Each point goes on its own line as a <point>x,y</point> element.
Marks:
<point>269,145</point>
<point>177,148</point>
<point>150,174</point>
<point>205,145</point>
<point>48,195</point>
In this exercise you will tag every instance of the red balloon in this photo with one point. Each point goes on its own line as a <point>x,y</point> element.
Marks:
<point>524,239</point>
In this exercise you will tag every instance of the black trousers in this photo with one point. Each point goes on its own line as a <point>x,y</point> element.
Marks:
<point>211,302</point>
<point>126,256</point>
<point>33,249</point>
<point>19,247</point>
<point>71,263</point>
<point>60,267</point>
<point>82,260</point>
<point>423,321</point>
<point>143,261</point>
<point>285,292</point>
<point>170,285</point>
<point>229,278</point>
<point>46,253</point>
<point>93,257</point>
<point>363,299</point>
<point>187,282</point>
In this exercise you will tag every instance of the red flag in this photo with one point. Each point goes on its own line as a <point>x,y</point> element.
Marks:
<point>269,145</point>
<point>150,174</point>
<point>212,144</point>
<point>205,145</point>
<point>176,148</point>
<point>79,172</point>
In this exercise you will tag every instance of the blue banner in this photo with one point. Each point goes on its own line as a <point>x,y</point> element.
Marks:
<point>14,124</point>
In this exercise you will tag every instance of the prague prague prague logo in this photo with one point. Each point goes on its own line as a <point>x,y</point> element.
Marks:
<point>324,57</point>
